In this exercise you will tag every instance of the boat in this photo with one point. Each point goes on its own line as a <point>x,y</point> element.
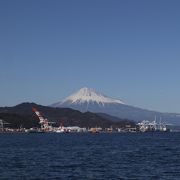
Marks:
<point>147,126</point>
<point>34,130</point>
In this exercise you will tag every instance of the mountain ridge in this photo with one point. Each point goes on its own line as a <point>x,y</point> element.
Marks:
<point>113,107</point>
<point>86,95</point>
<point>22,115</point>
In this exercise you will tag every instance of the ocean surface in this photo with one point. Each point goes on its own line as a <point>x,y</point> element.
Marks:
<point>90,156</point>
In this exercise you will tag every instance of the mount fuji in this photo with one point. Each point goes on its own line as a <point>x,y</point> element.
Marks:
<point>88,99</point>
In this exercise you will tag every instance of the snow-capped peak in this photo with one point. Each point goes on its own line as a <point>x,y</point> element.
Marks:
<point>90,95</point>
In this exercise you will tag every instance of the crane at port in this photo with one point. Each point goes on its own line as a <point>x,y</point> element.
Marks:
<point>42,121</point>
<point>2,123</point>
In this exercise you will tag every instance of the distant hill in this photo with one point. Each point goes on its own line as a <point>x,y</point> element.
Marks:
<point>87,99</point>
<point>22,115</point>
<point>18,121</point>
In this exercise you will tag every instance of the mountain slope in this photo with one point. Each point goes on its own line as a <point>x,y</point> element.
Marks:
<point>88,96</point>
<point>90,100</point>
<point>22,115</point>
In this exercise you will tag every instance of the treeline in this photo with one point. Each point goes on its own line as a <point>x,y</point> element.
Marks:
<point>23,116</point>
<point>18,121</point>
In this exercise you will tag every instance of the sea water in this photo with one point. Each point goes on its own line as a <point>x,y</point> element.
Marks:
<point>90,156</point>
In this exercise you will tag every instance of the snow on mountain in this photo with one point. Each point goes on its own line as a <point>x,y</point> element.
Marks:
<point>87,99</point>
<point>88,95</point>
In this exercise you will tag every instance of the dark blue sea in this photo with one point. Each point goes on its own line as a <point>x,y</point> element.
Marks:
<point>90,156</point>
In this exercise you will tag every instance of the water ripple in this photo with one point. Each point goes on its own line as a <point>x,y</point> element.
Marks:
<point>87,156</point>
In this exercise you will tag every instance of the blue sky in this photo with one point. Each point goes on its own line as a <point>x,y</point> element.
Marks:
<point>126,49</point>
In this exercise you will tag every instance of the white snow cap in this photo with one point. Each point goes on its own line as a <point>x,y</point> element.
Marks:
<point>88,94</point>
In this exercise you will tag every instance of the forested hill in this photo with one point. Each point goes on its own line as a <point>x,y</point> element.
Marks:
<point>23,116</point>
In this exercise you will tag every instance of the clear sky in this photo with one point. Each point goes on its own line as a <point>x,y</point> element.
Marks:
<point>127,49</point>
